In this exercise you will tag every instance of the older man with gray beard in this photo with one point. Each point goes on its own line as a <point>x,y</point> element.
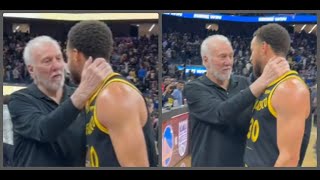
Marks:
<point>44,115</point>
<point>219,105</point>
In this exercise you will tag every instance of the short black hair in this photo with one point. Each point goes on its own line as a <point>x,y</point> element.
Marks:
<point>92,38</point>
<point>276,36</point>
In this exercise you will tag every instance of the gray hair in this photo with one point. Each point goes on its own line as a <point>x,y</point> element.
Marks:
<point>213,38</point>
<point>35,43</point>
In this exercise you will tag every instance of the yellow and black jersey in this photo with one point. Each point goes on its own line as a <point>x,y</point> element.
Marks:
<point>261,148</point>
<point>100,150</point>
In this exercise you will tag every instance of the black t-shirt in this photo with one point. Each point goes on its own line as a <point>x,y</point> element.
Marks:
<point>46,134</point>
<point>219,121</point>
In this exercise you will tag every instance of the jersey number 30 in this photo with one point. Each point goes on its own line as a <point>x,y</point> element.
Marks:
<point>254,130</point>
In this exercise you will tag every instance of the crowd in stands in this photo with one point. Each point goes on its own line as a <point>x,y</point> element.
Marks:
<point>134,57</point>
<point>184,48</point>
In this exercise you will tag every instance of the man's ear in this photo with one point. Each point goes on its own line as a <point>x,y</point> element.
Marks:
<point>30,70</point>
<point>74,55</point>
<point>266,48</point>
<point>205,60</point>
<point>80,60</point>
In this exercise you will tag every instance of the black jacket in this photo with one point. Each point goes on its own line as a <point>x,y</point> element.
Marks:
<point>219,121</point>
<point>46,134</point>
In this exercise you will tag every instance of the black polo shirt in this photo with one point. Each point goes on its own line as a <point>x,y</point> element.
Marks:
<point>219,121</point>
<point>46,133</point>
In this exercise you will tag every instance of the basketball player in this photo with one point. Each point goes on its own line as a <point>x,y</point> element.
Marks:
<point>280,127</point>
<point>220,104</point>
<point>119,131</point>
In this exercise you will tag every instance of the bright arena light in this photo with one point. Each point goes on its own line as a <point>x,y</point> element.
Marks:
<point>85,16</point>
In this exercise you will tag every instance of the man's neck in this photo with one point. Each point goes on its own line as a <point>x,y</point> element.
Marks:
<point>223,84</point>
<point>54,95</point>
<point>268,58</point>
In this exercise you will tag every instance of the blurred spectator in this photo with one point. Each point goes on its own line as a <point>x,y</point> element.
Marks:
<point>314,103</point>
<point>177,94</point>
<point>167,98</point>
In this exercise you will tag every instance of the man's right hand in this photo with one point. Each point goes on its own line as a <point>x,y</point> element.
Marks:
<point>92,76</point>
